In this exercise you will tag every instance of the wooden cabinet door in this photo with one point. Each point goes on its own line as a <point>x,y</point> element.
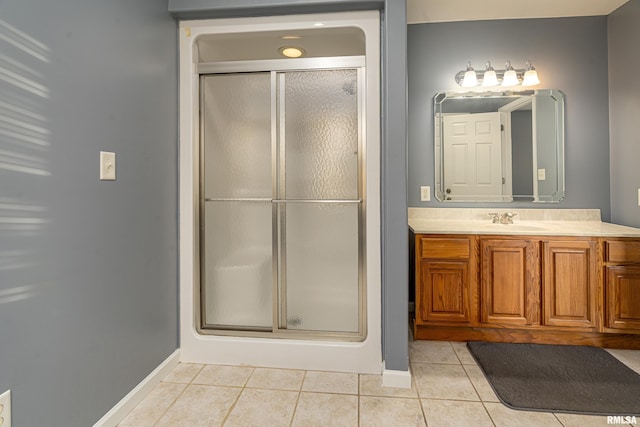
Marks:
<point>569,283</point>
<point>443,294</point>
<point>622,298</point>
<point>510,282</point>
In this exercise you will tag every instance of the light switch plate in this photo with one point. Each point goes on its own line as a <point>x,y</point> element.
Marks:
<point>107,166</point>
<point>542,174</point>
<point>425,193</point>
<point>5,409</point>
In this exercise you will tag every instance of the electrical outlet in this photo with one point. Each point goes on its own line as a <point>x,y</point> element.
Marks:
<point>425,193</point>
<point>542,174</point>
<point>107,166</point>
<point>5,409</point>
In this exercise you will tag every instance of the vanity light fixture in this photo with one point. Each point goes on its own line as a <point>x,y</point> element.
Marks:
<point>470,79</point>
<point>292,51</point>
<point>528,76</point>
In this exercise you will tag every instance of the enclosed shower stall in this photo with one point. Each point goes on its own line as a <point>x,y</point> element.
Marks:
<point>280,199</point>
<point>280,175</point>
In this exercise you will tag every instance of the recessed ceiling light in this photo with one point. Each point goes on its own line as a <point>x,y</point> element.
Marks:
<point>318,24</point>
<point>291,51</point>
<point>291,37</point>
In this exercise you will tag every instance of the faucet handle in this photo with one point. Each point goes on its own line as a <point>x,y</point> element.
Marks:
<point>495,216</point>
<point>508,217</point>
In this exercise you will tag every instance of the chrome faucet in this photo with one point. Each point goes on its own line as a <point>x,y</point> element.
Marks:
<point>495,216</point>
<point>505,218</point>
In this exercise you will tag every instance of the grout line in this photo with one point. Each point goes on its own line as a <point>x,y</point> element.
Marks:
<point>295,408</point>
<point>325,392</point>
<point>441,363</point>
<point>386,397</point>
<point>253,369</point>
<point>186,385</point>
<point>423,410</point>
<point>304,378</point>
<point>197,373</point>
<point>489,414</point>
<point>559,420</point>
<point>171,404</point>
<point>454,400</point>
<point>232,407</point>
<point>472,384</point>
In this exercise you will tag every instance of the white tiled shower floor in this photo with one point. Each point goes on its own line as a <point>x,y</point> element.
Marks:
<point>449,389</point>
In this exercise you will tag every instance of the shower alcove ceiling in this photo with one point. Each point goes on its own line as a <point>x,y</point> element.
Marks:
<point>317,43</point>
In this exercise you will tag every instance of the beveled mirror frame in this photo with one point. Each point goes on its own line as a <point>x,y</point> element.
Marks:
<point>545,173</point>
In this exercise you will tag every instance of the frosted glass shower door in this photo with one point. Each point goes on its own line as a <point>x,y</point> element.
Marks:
<point>320,209</point>
<point>236,209</point>
<point>281,213</point>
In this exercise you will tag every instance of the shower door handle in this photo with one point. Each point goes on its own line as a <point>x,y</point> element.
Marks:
<point>236,199</point>
<point>316,201</point>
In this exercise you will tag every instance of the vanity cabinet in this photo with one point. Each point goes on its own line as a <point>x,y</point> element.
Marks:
<point>622,286</point>
<point>570,283</point>
<point>510,282</point>
<point>545,289</point>
<point>445,278</point>
<point>531,282</point>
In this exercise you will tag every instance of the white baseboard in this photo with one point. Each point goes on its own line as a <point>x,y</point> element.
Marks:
<point>397,379</point>
<point>135,396</point>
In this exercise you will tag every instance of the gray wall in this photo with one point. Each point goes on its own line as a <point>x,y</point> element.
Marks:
<point>624,104</point>
<point>394,147</point>
<point>559,48</point>
<point>199,9</point>
<point>521,152</point>
<point>88,269</point>
<point>395,249</point>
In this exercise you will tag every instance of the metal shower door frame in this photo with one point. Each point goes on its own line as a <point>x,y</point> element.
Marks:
<point>278,70</point>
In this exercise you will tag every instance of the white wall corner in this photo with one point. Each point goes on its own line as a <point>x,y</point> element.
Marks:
<point>135,396</point>
<point>396,379</point>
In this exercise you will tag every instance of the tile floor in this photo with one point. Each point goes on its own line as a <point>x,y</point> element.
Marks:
<point>449,389</point>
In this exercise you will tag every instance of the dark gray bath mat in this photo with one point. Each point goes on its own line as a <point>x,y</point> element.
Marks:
<point>559,378</point>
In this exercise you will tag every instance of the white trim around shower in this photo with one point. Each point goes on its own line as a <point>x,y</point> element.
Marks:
<point>330,355</point>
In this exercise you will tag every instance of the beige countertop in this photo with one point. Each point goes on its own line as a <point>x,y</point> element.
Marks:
<point>536,222</point>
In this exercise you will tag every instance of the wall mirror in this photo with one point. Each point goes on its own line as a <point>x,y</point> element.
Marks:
<point>499,146</point>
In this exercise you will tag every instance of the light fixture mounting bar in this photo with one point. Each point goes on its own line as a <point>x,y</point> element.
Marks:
<point>527,76</point>
<point>480,75</point>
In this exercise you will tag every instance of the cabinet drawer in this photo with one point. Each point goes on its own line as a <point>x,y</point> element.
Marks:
<point>445,248</point>
<point>617,251</point>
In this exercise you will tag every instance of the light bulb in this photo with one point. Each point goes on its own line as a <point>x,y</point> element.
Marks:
<point>489,78</point>
<point>291,51</point>
<point>470,78</point>
<point>530,76</point>
<point>510,77</point>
